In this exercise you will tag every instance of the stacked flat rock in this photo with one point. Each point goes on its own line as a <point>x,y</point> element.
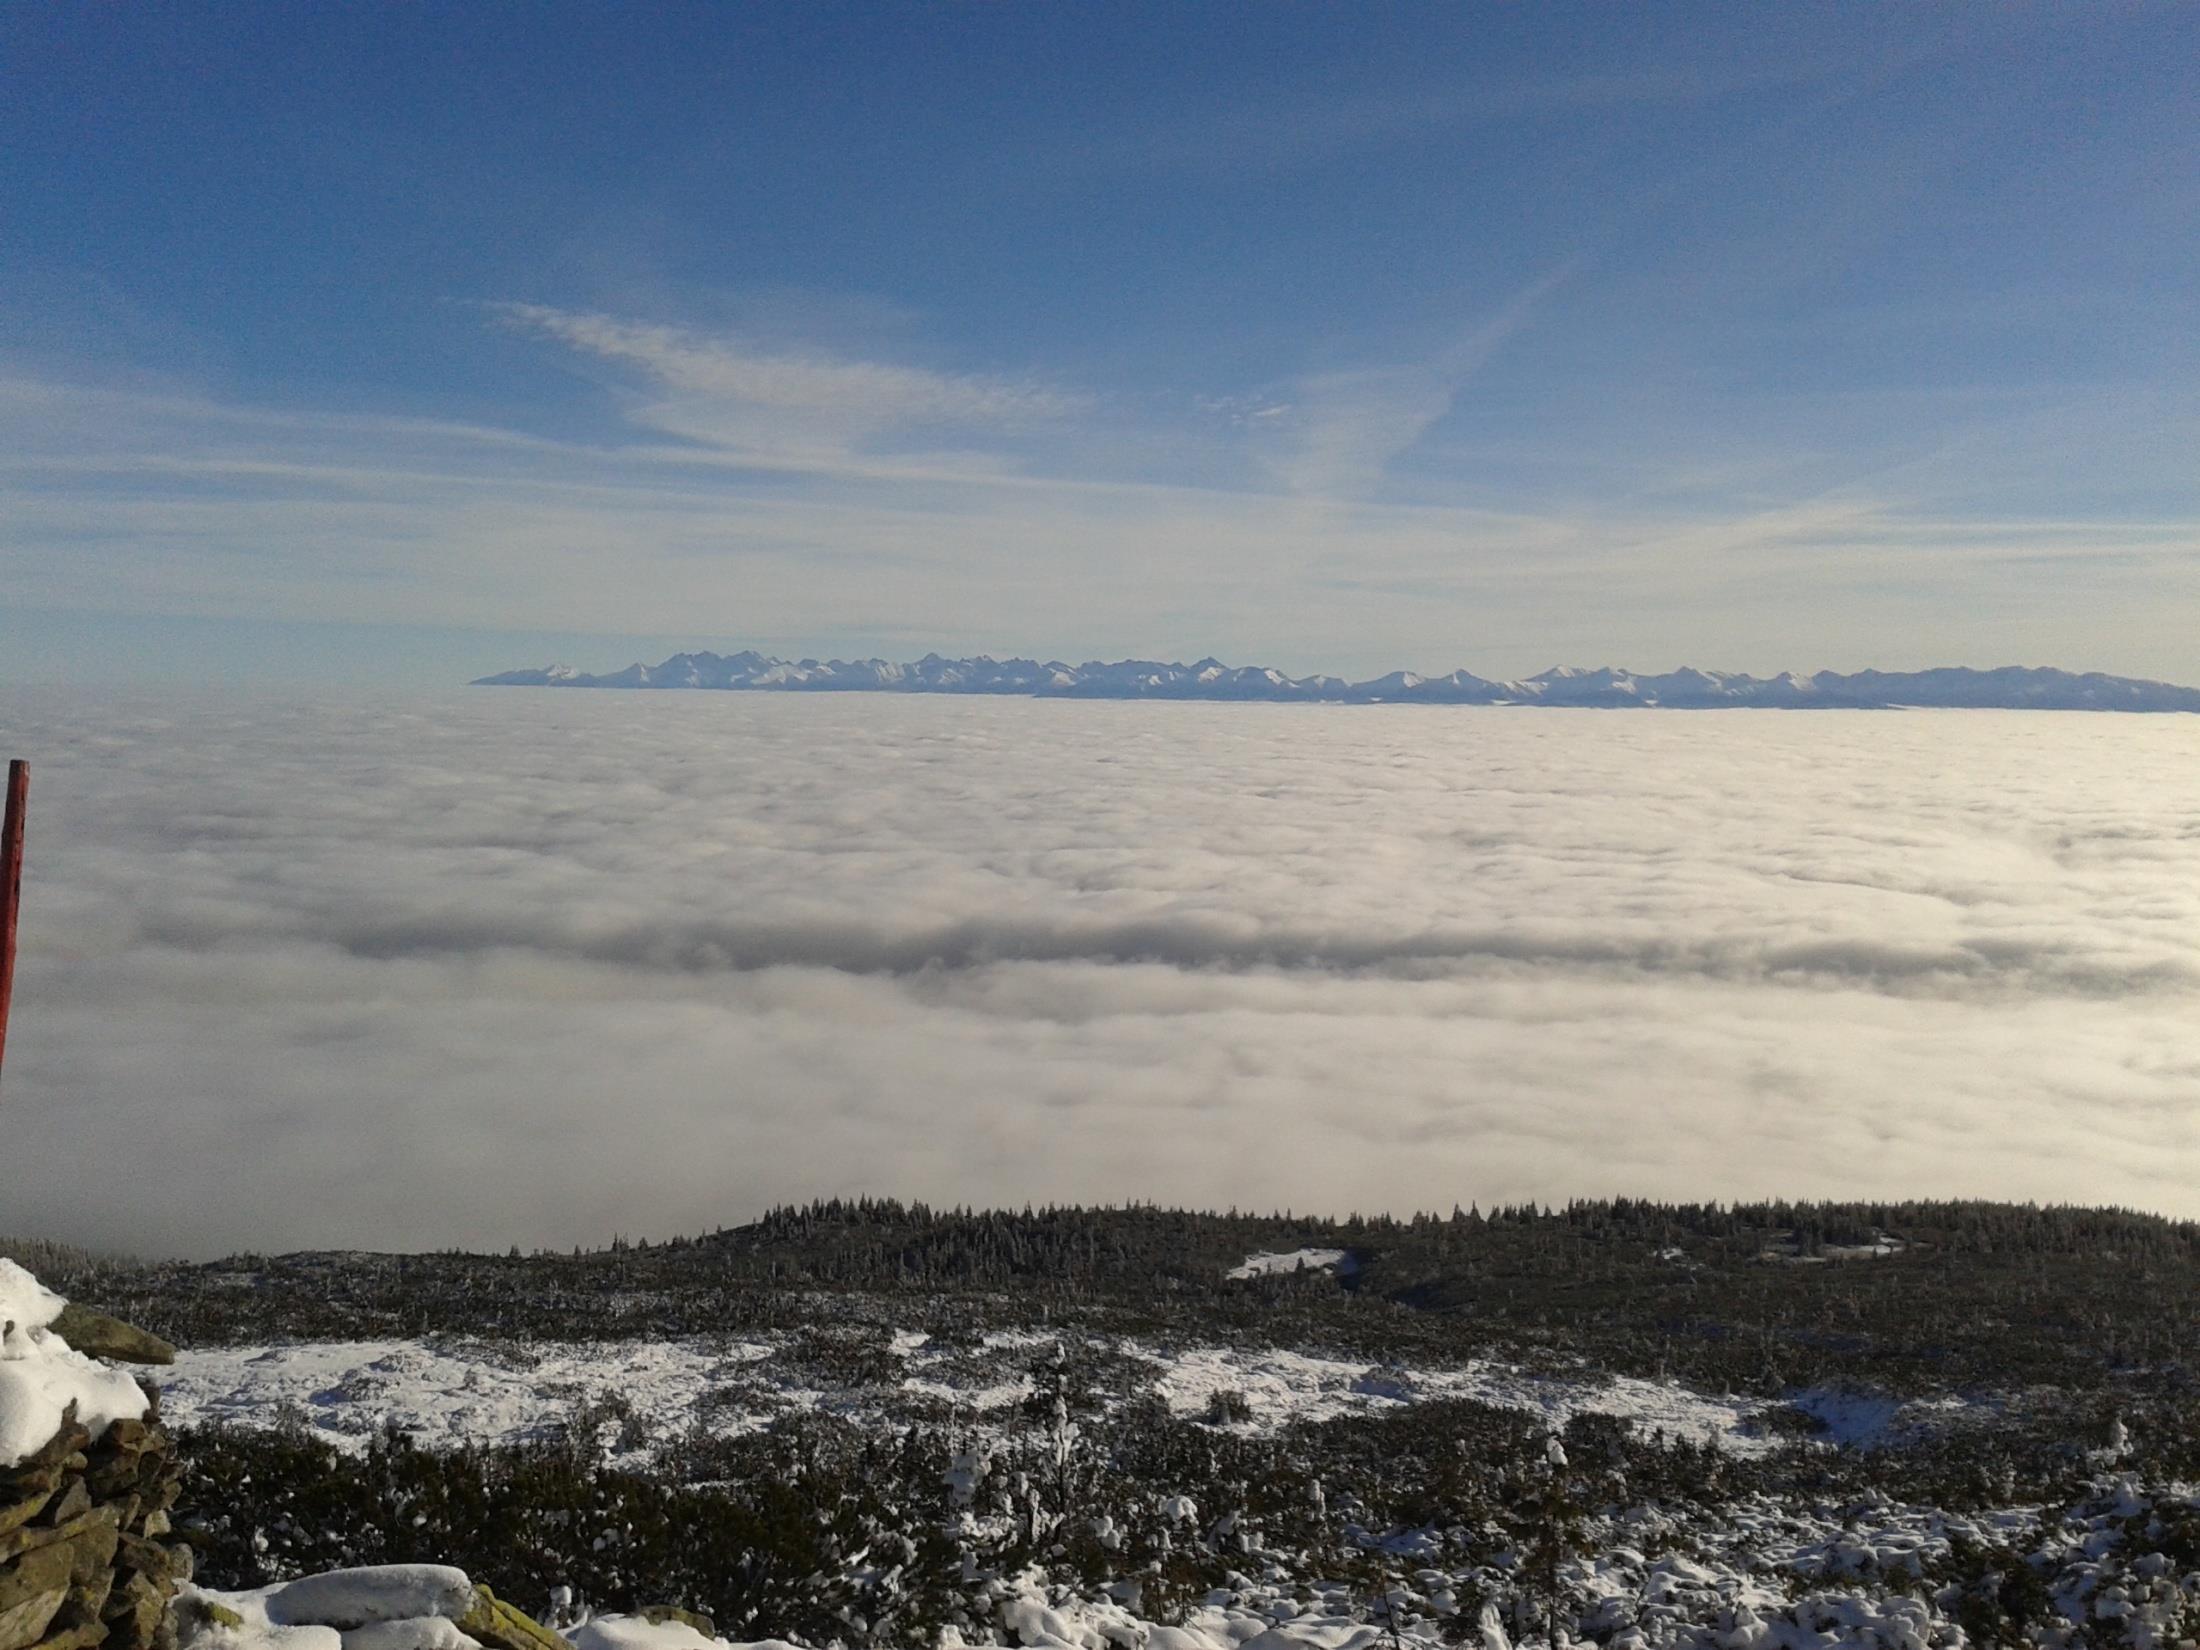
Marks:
<point>87,1476</point>
<point>82,1562</point>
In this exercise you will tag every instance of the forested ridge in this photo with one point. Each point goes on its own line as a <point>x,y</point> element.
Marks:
<point>1748,1297</point>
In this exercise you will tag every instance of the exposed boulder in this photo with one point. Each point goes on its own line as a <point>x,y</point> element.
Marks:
<point>104,1337</point>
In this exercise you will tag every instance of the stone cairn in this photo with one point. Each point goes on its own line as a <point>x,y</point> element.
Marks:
<point>83,1565</point>
<point>82,1560</point>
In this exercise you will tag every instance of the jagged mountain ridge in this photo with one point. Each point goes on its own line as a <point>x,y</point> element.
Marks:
<point>2011,687</point>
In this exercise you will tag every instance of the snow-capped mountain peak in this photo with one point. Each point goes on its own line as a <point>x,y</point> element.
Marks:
<point>1601,686</point>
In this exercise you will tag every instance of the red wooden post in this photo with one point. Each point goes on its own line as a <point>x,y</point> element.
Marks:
<point>11,884</point>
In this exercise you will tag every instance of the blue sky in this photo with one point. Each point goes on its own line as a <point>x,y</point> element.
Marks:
<point>342,343</point>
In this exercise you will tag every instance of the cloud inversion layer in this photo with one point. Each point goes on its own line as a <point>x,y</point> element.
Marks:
<point>544,968</point>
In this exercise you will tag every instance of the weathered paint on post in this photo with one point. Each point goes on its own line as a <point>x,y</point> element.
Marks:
<point>11,885</point>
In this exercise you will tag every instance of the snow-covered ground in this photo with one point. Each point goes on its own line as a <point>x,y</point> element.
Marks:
<point>1758,1573</point>
<point>1313,1260</point>
<point>446,1392</point>
<point>1829,1254</point>
<point>1282,1387</point>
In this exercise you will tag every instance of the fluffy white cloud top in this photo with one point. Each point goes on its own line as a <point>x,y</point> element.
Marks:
<point>540,967</point>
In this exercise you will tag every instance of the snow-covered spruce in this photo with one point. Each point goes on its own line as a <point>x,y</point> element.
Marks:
<point>1063,1523</point>
<point>2098,1573</point>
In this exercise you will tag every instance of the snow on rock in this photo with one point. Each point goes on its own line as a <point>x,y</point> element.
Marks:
<point>24,1301</point>
<point>414,1633</point>
<point>42,1377</point>
<point>378,1593</point>
<point>378,1607</point>
<point>197,1630</point>
<point>637,1633</point>
<point>1313,1260</point>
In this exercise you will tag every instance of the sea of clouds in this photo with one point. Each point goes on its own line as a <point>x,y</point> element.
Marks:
<point>543,967</point>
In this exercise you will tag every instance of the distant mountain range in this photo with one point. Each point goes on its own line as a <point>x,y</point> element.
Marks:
<point>2010,688</point>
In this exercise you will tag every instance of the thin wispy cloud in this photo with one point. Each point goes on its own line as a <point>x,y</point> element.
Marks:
<point>728,391</point>
<point>1285,128</point>
<point>164,500</point>
<point>1338,432</point>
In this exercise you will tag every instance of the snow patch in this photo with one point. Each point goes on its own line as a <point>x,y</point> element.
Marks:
<point>447,1394</point>
<point>1313,1260</point>
<point>1286,1387</point>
